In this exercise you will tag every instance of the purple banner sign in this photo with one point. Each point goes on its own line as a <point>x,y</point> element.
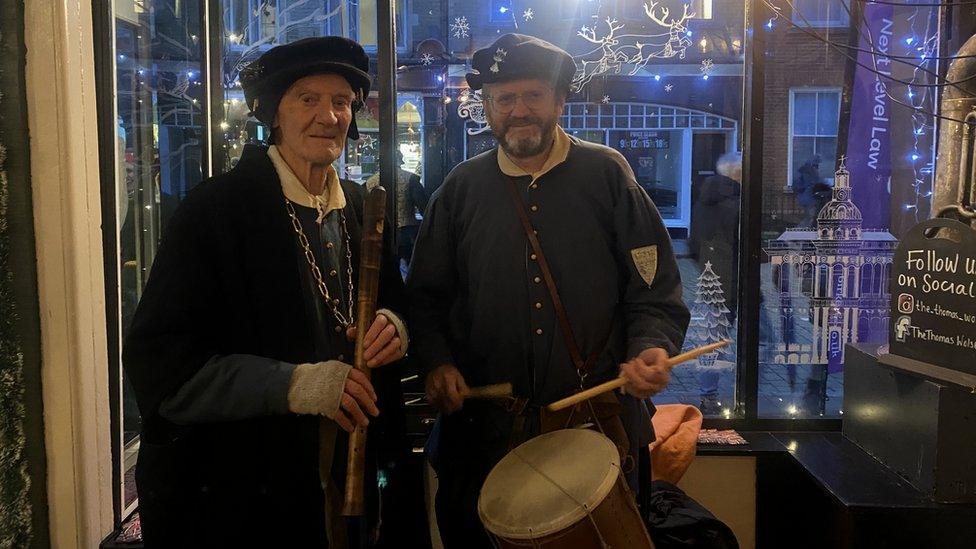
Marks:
<point>869,137</point>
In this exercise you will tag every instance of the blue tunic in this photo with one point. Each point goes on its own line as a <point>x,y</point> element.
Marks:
<point>477,298</point>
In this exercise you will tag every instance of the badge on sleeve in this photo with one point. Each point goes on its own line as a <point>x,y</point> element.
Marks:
<point>645,259</point>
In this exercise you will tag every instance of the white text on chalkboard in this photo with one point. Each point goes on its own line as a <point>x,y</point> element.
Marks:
<point>928,262</point>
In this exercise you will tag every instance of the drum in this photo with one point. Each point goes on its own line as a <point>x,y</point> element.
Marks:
<point>563,489</point>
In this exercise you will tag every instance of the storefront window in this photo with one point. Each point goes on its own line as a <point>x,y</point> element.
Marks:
<point>161,106</point>
<point>661,82</point>
<point>656,158</point>
<point>847,153</point>
<point>855,182</point>
<point>161,114</point>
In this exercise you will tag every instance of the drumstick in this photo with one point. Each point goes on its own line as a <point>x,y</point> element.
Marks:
<point>499,391</point>
<point>620,382</point>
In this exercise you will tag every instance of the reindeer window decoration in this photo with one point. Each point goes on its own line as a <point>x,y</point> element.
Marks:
<point>472,107</point>
<point>637,50</point>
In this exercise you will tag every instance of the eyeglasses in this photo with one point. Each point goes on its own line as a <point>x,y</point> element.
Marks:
<point>535,100</point>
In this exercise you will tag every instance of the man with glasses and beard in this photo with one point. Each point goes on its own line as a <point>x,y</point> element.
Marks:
<point>481,310</point>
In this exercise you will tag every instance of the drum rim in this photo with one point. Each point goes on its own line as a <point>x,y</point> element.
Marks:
<point>571,517</point>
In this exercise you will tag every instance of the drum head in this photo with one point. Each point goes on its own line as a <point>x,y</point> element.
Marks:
<point>548,483</point>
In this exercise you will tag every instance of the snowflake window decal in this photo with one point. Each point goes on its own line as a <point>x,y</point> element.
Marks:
<point>460,27</point>
<point>368,143</point>
<point>706,68</point>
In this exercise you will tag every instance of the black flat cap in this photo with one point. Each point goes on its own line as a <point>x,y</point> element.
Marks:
<point>517,56</point>
<point>266,79</point>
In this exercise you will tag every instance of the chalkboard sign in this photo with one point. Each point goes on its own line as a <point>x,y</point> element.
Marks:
<point>933,295</point>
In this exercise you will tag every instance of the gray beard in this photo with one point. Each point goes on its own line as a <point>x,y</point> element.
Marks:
<point>528,146</point>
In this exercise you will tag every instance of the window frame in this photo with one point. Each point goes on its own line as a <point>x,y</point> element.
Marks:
<point>800,19</point>
<point>747,376</point>
<point>403,29</point>
<point>792,119</point>
<point>747,371</point>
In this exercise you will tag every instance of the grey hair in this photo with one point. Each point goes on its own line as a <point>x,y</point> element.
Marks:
<point>730,165</point>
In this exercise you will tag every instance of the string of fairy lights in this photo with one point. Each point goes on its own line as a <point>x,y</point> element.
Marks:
<point>918,49</point>
<point>922,56</point>
<point>921,101</point>
<point>616,51</point>
<point>921,123</point>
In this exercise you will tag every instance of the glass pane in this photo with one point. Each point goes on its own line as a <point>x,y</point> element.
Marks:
<point>826,149</point>
<point>365,23</point>
<point>160,107</point>
<point>362,156</point>
<point>656,159</point>
<point>703,9</point>
<point>820,13</point>
<point>804,149</point>
<point>161,120</point>
<point>804,113</point>
<point>267,25</point>
<point>829,233</point>
<point>836,12</point>
<point>593,136</point>
<point>669,155</point>
<point>828,109</point>
<point>501,11</point>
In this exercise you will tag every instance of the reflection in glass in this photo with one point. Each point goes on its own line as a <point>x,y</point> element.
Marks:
<point>160,102</point>
<point>837,195</point>
<point>656,158</point>
<point>252,27</point>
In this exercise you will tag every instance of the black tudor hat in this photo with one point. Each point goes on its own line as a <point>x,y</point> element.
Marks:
<point>266,79</point>
<point>517,56</point>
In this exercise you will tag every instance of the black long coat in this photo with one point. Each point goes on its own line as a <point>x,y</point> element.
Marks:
<point>226,280</point>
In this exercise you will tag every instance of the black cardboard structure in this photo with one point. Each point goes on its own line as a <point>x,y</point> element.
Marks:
<point>919,424</point>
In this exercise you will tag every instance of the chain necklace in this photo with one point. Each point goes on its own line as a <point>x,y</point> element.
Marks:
<point>345,320</point>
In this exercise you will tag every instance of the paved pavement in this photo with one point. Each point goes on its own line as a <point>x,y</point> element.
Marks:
<point>781,392</point>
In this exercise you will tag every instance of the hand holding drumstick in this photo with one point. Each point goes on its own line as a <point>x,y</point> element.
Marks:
<point>647,374</point>
<point>643,381</point>
<point>446,389</point>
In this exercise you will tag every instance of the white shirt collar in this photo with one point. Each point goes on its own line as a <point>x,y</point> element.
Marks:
<point>332,198</point>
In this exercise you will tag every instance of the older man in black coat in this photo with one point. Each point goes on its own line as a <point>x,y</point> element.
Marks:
<point>239,350</point>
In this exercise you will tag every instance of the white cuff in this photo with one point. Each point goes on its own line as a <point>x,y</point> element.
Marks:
<point>401,329</point>
<point>316,389</point>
